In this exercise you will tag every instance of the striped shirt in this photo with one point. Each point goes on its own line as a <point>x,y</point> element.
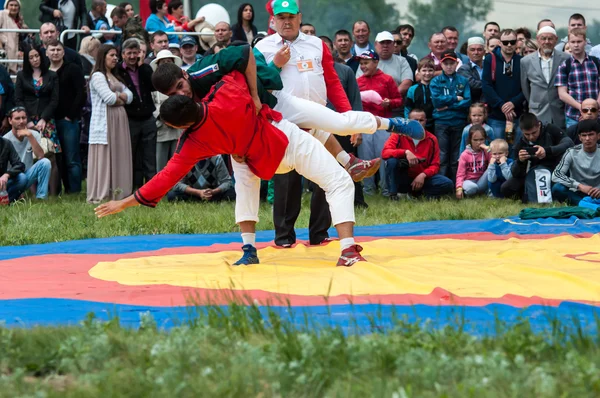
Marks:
<point>582,82</point>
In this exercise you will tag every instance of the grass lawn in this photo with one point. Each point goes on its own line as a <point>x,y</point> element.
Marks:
<point>237,352</point>
<point>70,217</point>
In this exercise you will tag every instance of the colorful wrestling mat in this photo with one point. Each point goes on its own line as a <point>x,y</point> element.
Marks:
<point>479,270</point>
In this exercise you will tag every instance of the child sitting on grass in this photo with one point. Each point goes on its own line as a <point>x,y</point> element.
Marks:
<point>477,115</point>
<point>471,177</point>
<point>499,169</point>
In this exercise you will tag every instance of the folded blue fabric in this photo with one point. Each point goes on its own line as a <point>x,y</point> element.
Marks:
<point>590,203</point>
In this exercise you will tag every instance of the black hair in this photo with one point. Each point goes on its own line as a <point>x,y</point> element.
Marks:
<point>361,21</point>
<point>528,121</point>
<point>585,126</point>
<point>491,23</point>
<point>155,34</point>
<point>524,31</point>
<point>343,32</point>
<point>179,111</point>
<point>156,5</point>
<point>405,26</point>
<point>118,12</point>
<point>240,13</point>
<point>165,76</point>
<point>173,5</point>
<point>44,62</point>
<point>450,28</point>
<point>577,17</point>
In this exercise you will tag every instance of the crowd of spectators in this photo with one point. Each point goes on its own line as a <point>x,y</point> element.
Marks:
<point>496,107</point>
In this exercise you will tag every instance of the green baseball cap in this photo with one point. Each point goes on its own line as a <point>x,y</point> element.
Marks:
<point>283,6</point>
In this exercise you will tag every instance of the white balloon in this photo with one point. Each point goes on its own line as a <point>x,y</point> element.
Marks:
<point>213,14</point>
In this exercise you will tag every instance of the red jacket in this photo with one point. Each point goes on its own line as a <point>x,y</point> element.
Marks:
<point>385,86</point>
<point>230,126</point>
<point>428,149</point>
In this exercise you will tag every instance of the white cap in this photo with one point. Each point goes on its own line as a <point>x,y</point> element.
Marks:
<point>475,40</point>
<point>162,54</point>
<point>547,29</point>
<point>174,45</point>
<point>383,36</point>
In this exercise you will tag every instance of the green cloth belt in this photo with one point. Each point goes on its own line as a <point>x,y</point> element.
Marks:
<point>558,212</point>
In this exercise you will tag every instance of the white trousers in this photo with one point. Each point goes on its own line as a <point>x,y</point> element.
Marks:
<point>310,159</point>
<point>321,120</point>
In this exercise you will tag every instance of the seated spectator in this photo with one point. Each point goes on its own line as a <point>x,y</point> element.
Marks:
<point>549,144</point>
<point>37,91</point>
<point>477,115</point>
<point>209,180</point>
<point>71,99</point>
<point>11,18</point>
<point>412,167</point>
<point>471,177</point>
<point>588,111</point>
<point>158,21</point>
<point>88,51</point>
<point>578,173</point>
<point>451,97</point>
<point>175,16</point>
<point>11,178</point>
<point>71,14</point>
<point>189,52</point>
<point>27,145</point>
<point>379,95</point>
<point>473,70</point>
<point>419,95</point>
<point>499,169</point>
<point>244,29</point>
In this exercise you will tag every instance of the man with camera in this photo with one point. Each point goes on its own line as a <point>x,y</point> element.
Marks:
<point>541,146</point>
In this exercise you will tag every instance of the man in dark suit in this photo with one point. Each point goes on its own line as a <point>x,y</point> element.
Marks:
<point>72,14</point>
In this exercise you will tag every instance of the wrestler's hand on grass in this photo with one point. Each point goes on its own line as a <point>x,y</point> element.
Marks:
<point>115,206</point>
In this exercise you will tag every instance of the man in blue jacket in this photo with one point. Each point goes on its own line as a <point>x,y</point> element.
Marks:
<point>451,97</point>
<point>501,85</point>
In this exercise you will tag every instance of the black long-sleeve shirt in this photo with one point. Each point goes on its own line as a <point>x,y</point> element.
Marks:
<point>8,155</point>
<point>72,92</point>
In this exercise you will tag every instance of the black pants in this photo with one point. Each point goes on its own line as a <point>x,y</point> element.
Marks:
<point>286,209</point>
<point>143,148</point>
<point>514,188</point>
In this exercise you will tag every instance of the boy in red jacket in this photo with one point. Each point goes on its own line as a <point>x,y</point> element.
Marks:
<point>379,95</point>
<point>412,166</point>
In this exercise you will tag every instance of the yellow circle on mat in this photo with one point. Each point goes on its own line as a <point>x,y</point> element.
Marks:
<point>467,268</point>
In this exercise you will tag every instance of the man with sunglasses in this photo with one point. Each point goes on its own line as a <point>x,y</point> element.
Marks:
<point>589,111</point>
<point>538,72</point>
<point>403,36</point>
<point>501,83</point>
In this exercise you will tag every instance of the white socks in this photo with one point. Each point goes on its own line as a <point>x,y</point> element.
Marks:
<point>346,243</point>
<point>343,158</point>
<point>249,238</point>
<point>385,123</point>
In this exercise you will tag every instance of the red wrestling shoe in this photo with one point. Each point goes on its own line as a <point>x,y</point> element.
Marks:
<point>350,256</point>
<point>360,169</point>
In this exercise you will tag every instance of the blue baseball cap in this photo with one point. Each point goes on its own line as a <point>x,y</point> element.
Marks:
<point>371,54</point>
<point>188,41</point>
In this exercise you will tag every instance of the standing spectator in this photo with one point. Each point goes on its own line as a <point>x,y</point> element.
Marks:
<point>244,29</point>
<point>158,41</point>
<point>189,52</point>
<point>223,33</point>
<point>209,181</point>
<point>490,29</point>
<point>7,98</point>
<point>529,47</point>
<point>549,144</point>
<point>493,43</point>
<point>412,167</point>
<point>119,19</point>
<point>577,77</point>
<point>361,32</point>
<point>577,176</point>
<point>11,18</point>
<point>72,96</point>
<point>176,16</point>
<point>110,171</point>
<point>37,91</point>
<point>473,69</point>
<point>502,84</point>
<point>166,136</point>
<point>393,65</point>
<point>576,21</point>
<point>401,46</point>
<point>96,19</point>
<point>451,97</point>
<point>88,51</point>
<point>140,112</point>
<point>522,35</point>
<point>589,111</point>
<point>419,95</point>
<point>343,45</point>
<point>158,21</point>
<point>69,14</point>
<point>27,144</point>
<point>375,80</point>
<point>438,46</point>
<point>11,178</point>
<point>452,36</point>
<point>308,29</point>
<point>538,73</point>
<point>48,33</point>
<point>128,7</point>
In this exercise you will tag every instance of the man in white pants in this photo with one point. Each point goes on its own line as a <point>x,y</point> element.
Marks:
<point>229,121</point>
